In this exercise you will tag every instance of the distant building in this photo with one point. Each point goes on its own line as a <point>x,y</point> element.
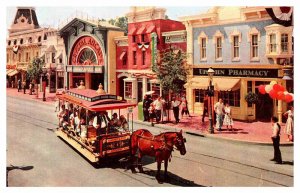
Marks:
<point>27,40</point>
<point>245,48</point>
<point>149,33</point>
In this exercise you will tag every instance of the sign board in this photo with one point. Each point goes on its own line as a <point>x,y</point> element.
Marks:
<point>239,72</point>
<point>130,109</point>
<point>84,69</point>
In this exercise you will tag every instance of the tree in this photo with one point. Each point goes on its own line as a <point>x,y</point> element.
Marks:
<point>121,22</point>
<point>35,70</point>
<point>171,71</point>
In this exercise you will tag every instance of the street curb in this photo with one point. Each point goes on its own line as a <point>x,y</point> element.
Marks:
<point>32,99</point>
<point>210,135</point>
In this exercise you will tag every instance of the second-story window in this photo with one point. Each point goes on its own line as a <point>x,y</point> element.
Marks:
<point>7,58</point>
<point>19,58</point>
<point>143,57</point>
<point>254,46</point>
<point>272,43</point>
<point>284,42</point>
<point>236,48</point>
<point>134,57</point>
<point>203,49</point>
<point>219,48</point>
<point>27,57</point>
<point>143,37</point>
<point>53,57</point>
<point>133,38</point>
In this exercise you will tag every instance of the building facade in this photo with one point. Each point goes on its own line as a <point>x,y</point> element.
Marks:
<point>90,53</point>
<point>246,49</point>
<point>27,40</point>
<point>149,33</point>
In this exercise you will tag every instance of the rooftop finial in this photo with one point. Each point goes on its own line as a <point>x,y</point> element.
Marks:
<point>100,89</point>
<point>81,86</point>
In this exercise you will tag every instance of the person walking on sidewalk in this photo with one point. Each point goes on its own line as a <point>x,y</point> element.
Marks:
<point>146,104</point>
<point>24,87</point>
<point>276,140</point>
<point>184,107</point>
<point>19,85</point>
<point>289,125</point>
<point>219,109</point>
<point>205,107</point>
<point>175,104</point>
<point>228,118</point>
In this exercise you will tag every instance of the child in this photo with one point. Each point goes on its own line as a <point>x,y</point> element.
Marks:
<point>227,118</point>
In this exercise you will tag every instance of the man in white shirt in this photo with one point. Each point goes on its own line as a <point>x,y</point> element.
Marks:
<point>175,105</point>
<point>158,105</point>
<point>219,109</point>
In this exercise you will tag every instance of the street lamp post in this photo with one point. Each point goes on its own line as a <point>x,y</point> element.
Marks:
<point>210,73</point>
<point>44,69</point>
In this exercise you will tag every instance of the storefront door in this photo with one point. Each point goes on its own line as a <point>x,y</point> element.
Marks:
<point>96,80</point>
<point>140,91</point>
<point>264,107</point>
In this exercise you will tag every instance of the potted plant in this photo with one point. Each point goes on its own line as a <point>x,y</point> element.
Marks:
<point>251,98</point>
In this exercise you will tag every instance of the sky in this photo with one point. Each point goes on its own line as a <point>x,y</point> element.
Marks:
<point>55,16</point>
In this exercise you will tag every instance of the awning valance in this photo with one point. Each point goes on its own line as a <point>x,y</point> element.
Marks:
<point>9,71</point>
<point>141,30</point>
<point>150,29</point>
<point>12,73</point>
<point>122,55</point>
<point>132,31</point>
<point>220,84</point>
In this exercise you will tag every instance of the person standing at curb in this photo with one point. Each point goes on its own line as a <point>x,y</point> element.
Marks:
<point>289,126</point>
<point>276,140</point>
<point>184,107</point>
<point>175,104</point>
<point>19,85</point>
<point>145,108</point>
<point>158,107</point>
<point>219,109</point>
<point>24,87</point>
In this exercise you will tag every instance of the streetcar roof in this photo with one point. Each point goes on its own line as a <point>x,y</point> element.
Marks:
<point>91,100</point>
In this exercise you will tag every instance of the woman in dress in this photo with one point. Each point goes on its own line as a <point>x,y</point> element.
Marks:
<point>289,126</point>
<point>227,118</point>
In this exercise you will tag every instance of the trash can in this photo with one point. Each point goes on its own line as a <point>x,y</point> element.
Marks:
<point>140,111</point>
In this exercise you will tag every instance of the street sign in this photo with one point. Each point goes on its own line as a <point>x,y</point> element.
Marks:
<point>130,110</point>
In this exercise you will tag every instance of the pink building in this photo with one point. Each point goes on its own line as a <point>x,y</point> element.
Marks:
<point>149,33</point>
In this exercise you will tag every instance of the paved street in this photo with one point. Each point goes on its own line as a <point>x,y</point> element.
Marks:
<point>36,157</point>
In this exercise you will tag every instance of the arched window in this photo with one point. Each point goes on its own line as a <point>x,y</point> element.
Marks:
<point>45,37</point>
<point>87,57</point>
<point>9,42</point>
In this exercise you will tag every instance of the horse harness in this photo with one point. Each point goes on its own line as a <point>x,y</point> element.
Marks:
<point>164,146</point>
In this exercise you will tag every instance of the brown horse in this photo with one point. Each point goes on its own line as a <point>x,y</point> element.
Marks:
<point>158,146</point>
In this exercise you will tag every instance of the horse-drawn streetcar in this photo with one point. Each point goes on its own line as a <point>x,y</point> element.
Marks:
<point>85,123</point>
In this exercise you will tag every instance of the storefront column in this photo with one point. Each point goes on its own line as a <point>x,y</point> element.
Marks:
<point>279,111</point>
<point>243,110</point>
<point>144,86</point>
<point>88,84</point>
<point>189,98</point>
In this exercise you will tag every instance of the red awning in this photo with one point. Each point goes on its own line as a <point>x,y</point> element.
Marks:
<point>122,55</point>
<point>141,30</point>
<point>150,29</point>
<point>132,31</point>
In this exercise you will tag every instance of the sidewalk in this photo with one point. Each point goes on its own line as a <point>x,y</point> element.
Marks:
<point>254,132</point>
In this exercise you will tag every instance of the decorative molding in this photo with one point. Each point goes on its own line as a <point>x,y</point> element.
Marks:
<point>235,32</point>
<point>253,31</point>
<point>202,35</point>
<point>217,35</point>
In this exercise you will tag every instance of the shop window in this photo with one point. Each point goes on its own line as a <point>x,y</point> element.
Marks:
<point>199,95</point>
<point>236,47</point>
<point>144,57</point>
<point>284,42</point>
<point>128,89</point>
<point>219,48</point>
<point>231,97</point>
<point>254,46</point>
<point>249,89</point>
<point>134,57</point>
<point>53,57</point>
<point>203,49</point>
<point>273,44</point>
<point>133,38</point>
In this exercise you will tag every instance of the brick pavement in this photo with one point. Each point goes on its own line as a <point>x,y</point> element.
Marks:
<point>253,132</point>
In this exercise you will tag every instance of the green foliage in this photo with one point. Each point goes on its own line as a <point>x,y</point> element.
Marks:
<point>171,70</point>
<point>251,98</point>
<point>121,22</point>
<point>35,69</point>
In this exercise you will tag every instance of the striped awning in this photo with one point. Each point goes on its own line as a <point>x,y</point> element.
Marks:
<point>220,84</point>
<point>141,30</point>
<point>12,73</point>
